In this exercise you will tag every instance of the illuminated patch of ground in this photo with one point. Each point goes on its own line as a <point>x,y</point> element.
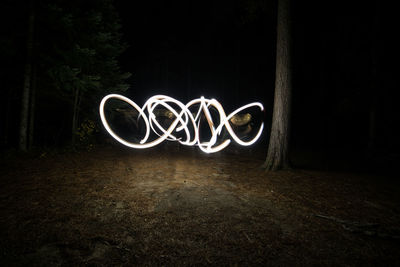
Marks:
<point>181,207</point>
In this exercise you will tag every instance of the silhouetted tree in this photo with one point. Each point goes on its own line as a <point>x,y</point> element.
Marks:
<point>373,90</point>
<point>32,106</point>
<point>84,61</point>
<point>26,90</point>
<point>278,149</point>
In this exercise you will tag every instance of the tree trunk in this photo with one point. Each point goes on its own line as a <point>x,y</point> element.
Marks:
<point>278,149</point>
<point>75,113</point>
<point>32,103</point>
<point>373,90</point>
<point>23,128</point>
<point>6,125</point>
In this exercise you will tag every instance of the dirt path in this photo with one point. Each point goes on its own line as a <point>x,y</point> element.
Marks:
<point>167,207</point>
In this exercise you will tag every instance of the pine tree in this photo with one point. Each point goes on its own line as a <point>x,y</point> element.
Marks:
<point>86,42</point>
<point>26,89</point>
<point>278,149</point>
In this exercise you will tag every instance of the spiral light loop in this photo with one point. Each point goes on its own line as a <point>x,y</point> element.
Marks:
<point>184,120</point>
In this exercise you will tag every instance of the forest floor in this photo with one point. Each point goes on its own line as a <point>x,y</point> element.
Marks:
<point>113,206</point>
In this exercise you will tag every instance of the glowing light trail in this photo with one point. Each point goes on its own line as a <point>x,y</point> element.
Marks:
<point>184,121</point>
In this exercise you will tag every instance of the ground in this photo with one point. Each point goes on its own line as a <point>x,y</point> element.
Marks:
<point>173,206</point>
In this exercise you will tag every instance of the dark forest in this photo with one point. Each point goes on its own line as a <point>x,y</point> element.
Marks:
<point>318,187</point>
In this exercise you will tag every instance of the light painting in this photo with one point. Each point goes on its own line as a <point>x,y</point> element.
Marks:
<point>186,120</point>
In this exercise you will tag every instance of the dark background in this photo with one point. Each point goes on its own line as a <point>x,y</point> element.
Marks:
<point>344,66</point>
<point>343,63</point>
<point>100,203</point>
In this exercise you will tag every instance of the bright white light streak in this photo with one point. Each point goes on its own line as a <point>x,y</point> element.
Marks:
<point>183,119</point>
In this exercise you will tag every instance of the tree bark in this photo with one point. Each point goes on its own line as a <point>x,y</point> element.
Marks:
<point>75,113</point>
<point>278,149</point>
<point>6,125</point>
<point>32,105</point>
<point>373,90</point>
<point>23,128</point>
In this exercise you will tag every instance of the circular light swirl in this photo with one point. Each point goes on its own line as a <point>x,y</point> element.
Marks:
<point>184,120</point>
